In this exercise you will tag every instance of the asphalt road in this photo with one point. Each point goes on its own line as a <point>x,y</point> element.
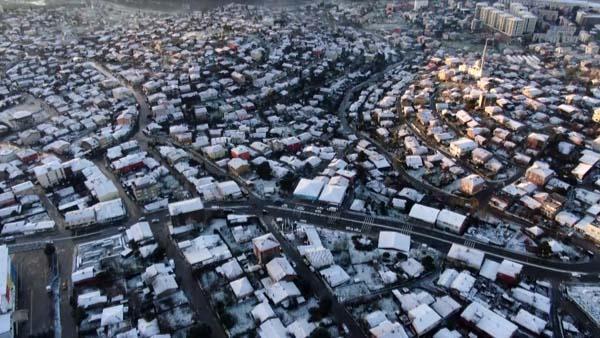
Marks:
<point>317,285</point>
<point>344,220</point>
<point>350,221</point>
<point>187,280</point>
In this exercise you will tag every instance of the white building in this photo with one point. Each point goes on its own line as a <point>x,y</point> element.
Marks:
<point>530,322</point>
<point>424,213</point>
<point>423,319</point>
<point>420,4</point>
<point>335,275</point>
<point>309,189</point>
<point>451,221</point>
<point>469,257</point>
<point>49,174</point>
<point>392,240</point>
<point>462,147</point>
<point>487,321</point>
<point>185,207</point>
<point>333,194</point>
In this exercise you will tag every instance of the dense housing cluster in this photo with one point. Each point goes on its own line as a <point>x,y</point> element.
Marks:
<point>340,168</point>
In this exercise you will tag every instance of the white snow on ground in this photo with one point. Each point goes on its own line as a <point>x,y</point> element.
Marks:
<point>287,316</point>
<point>242,313</point>
<point>214,224</point>
<point>452,187</point>
<point>351,291</point>
<point>517,242</point>
<point>386,304</point>
<point>568,250</point>
<point>488,234</point>
<point>209,280</point>
<point>177,318</point>
<point>587,298</point>
<point>367,274</point>
<point>333,240</point>
<point>389,306</point>
<point>358,257</point>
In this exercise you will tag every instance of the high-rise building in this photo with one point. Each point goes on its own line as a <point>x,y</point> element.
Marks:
<point>514,26</point>
<point>529,22</point>
<point>587,19</point>
<point>514,22</point>
<point>502,21</point>
<point>493,18</point>
<point>478,8</point>
<point>421,4</point>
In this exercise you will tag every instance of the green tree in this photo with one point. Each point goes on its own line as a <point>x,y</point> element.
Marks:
<point>325,306</point>
<point>383,209</point>
<point>361,173</point>
<point>428,263</point>
<point>264,170</point>
<point>544,249</point>
<point>79,315</point>
<point>361,156</point>
<point>308,168</point>
<point>228,320</point>
<point>315,314</point>
<point>200,330</point>
<point>287,182</point>
<point>304,286</point>
<point>49,249</point>
<point>320,332</point>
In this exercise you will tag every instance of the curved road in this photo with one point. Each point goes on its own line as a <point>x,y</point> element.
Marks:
<point>343,220</point>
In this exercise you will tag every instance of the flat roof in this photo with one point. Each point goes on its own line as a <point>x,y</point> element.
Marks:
<point>186,206</point>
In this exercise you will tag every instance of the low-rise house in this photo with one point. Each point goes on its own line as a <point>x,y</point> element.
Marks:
<point>465,256</point>
<point>462,147</point>
<point>487,322</point>
<point>280,269</point>
<point>451,221</point>
<point>392,240</point>
<point>472,184</point>
<point>265,248</point>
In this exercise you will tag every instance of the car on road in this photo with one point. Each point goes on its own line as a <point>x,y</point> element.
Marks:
<point>264,211</point>
<point>332,209</point>
<point>576,274</point>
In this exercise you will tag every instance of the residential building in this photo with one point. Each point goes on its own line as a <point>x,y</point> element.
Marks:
<point>265,248</point>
